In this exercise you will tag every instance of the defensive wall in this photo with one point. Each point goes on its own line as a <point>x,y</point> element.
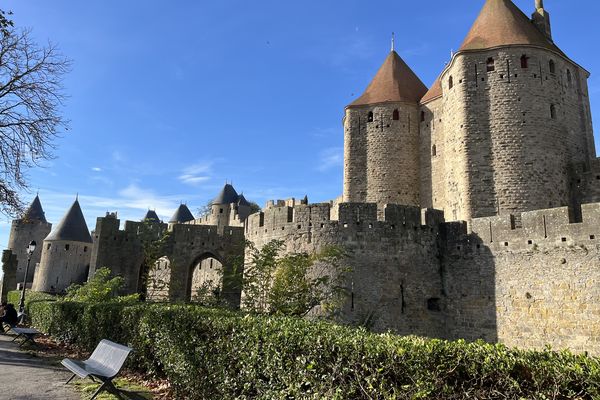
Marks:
<point>186,247</point>
<point>527,280</point>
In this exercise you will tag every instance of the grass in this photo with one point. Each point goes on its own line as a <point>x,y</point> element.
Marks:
<point>131,390</point>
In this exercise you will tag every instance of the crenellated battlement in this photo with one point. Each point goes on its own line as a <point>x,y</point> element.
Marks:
<point>280,220</point>
<point>550,227</point>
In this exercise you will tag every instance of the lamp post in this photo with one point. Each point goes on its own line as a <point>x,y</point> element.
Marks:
<point>30,250</point>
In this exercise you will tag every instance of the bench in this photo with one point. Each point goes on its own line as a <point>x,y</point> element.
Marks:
<point>28,334</point>
<point>104,364</point>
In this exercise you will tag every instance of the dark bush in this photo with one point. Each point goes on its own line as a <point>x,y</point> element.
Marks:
<point>216,354</point>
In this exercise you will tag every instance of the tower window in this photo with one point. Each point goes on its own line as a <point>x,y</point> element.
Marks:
<point>396,115</point>
<point>569,77</point>
<point>490,65</point>
<point>552,67</point>
<point>450,82</point>
<point>422,116</point>
<point>552,111</point>
<point>67,247</point>
<point>434,150</point>
<point>524,61</point>
<point>220,211</point>
<point>370,117</point>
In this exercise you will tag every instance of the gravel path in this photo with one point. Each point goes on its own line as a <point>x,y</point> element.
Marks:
<point>26,377</point>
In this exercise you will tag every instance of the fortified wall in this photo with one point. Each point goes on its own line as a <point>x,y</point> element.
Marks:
<point>187,246</point>
<point>413,273</point>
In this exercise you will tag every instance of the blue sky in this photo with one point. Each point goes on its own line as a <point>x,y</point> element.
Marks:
<point>168,100</point>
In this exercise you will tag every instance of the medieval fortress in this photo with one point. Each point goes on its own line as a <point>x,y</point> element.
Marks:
<point>469,209</point>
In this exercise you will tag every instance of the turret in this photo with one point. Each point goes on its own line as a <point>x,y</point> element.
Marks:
<point>381,136</point>
<point>541,19</point>
<point>31,226</point>
<point>505,120</point>
<point>66,254</point>
<point>182,215</point>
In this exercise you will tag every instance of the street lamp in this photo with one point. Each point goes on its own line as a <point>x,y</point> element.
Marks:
<point>30,250</point>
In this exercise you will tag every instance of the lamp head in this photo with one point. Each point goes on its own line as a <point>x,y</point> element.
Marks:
<point>31,247</point>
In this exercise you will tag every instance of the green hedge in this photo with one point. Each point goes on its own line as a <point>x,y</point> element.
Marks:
<point>30,297</point>
<point>215,354</point>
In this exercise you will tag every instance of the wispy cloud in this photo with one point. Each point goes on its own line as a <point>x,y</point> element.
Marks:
<point>331,158</point>
<point>96,169</point>
<point>196,174</point>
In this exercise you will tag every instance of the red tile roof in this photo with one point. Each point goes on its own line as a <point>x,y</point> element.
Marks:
<point>395,81</point>
<point>434,92</point>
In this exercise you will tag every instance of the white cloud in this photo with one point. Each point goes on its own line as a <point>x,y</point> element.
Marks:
<point>196,173</point>
<point>96,169</point>
<point>331,158</point>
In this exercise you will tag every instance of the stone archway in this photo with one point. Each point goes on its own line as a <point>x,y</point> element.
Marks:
<point>205,278</point>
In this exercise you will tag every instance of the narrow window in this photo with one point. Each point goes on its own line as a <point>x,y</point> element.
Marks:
<point>490,65</point>
<point>48,247</point>
<point>524,61</point>
<point>422,116</point>
<point>396,115</point>
<point>569,77</point>
<point>552,111</point>
<point>552,67</point>
<point>450,82</point>
<point>85,249</point>
<point>66,247</point>
<point>433,150</point>
<point>220,211</point>
<point>370,117</point>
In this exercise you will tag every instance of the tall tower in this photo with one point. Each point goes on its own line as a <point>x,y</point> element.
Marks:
<point>381,136</point>
<point>32,226</point>
<point>66,254</point>
<point>508,116</point>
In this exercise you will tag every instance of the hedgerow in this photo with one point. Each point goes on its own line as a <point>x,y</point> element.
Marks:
<point>217,354</point>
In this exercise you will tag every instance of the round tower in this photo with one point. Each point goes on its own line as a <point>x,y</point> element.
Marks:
<point>223,206</point>
<point>514,117</point>
<point>66,254</point>
<point>32,226</point>
<point>182,215</point>
<point>381,138</point>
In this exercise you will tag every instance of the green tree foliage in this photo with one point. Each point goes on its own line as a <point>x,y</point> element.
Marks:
<point>101,288</point>
<point>296,283</point>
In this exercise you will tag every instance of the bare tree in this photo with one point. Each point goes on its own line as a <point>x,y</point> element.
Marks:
<point>31,98</point>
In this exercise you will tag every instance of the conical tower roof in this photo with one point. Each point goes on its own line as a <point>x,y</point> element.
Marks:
<point>183,214</point>
<point>35,212</point>
<point>502,23</point>
<point>242,201</point>
<point>151,216</point>
<point>394,81</point>
<point>434,91</point>
<point>72,227</point>
<point>227,195</point>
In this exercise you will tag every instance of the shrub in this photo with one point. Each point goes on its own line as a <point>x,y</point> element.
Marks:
<point>215,354</point>
<point>102,287</point>
<point>14,297</point>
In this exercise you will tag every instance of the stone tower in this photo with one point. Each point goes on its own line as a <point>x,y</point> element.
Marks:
<point>32,226</point>
<point>381,138</point>
<point>505,120</point>
<point>66,254</point>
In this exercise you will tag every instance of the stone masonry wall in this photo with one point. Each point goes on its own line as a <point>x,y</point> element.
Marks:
<point>63,263</point>
<point>506,153</point>
<point>529,287</point>
<point>21,234</point>
<point>395,279</point>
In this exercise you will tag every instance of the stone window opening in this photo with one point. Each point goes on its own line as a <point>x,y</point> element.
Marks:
<point>85,249</point>
<point>422,116</point>
<point>552,67</point>
<point>48,247</point>
<point>67,247</point>
<point>552,111</point>
<point>490,65</point>
<point>396,115</point>
<point>434,150</point>
<point>370,117</point>
<point>569,77</point>
<point>220,211</point>
<point>524,61</point>
<point>450,82</point>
